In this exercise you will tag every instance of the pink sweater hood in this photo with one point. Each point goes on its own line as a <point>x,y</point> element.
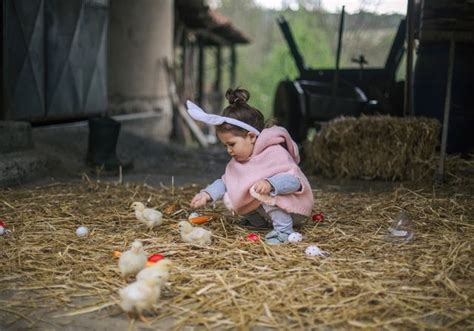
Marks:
<point>274,153</point>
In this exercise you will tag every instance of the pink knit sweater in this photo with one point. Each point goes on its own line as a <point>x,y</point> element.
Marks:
<point>274,153</point>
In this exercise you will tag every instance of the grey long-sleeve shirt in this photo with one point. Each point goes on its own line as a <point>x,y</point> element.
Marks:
<point>281,184</point>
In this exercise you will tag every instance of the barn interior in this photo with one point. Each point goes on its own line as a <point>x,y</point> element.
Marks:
<point>93,119</point>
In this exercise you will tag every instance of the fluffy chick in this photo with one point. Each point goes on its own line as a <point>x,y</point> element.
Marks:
<point>148,216</point>
<point>133,260</point>
<point>140,296</point>
<point>194,235</point>
<point>160,269</point>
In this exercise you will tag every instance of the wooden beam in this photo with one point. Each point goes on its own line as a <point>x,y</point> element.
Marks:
<point>447,109</point>
<point>210,38</point>
<point>437,35</point>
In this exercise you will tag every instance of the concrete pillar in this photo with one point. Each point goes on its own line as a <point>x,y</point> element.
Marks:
<point>140,37</point>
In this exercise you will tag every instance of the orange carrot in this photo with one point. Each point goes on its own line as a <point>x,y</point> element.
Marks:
<point>200,219</point>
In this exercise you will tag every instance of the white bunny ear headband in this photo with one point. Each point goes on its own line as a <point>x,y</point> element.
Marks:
<point>200,115</point>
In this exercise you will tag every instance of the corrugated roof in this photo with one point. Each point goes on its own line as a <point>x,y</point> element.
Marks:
<point>223,26</point>
<point>213,27</point>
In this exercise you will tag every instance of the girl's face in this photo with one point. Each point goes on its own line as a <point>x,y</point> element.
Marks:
<point>240,148</point>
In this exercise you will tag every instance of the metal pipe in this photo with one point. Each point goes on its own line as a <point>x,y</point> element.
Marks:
<point>396,51</point>
<point>338,53</point>
<point>297,57</point>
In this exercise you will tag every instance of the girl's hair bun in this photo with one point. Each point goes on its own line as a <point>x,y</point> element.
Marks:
<point>237,96</point>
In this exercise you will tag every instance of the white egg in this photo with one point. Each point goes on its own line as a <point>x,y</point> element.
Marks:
<point>315,251</point>
<point>295,237</point>
<point>192,215</point>
<point>82,231</point>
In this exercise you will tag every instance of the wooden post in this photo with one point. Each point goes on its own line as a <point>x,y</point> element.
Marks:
<point>447,108</point>
<point>218,81</point>
<point>3,105</point>
<point>189,77</point>
<point>184,69</point>
<point>201,78</point>
<point>410,31</point>
<point>233,65</point>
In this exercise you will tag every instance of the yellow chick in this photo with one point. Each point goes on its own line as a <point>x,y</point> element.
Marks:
<point>140,296</point>
<point>194,235</point>
<point>159,269</point>
<point>133,260</point>
<point>148,216</point>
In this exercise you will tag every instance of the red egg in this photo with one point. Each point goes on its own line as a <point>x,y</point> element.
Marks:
<point>155,257</point>
<point>319,217</point>
<point>253,237</point>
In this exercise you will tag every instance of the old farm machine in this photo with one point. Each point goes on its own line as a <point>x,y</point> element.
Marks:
<point>319,95</point>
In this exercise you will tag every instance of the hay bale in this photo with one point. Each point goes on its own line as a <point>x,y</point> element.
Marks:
<point>375,147</point>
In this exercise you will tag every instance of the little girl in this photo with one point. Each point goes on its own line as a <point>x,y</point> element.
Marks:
<point>263,174</point>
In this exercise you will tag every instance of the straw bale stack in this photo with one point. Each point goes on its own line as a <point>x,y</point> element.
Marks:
<point>375,147</point>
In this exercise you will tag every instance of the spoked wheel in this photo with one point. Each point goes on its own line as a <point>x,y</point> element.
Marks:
<point>287,110</point>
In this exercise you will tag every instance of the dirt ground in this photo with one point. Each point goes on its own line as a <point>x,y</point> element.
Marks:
<point>158,165</point>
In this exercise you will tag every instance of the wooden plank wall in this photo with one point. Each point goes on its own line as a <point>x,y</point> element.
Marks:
<point>443,19</point>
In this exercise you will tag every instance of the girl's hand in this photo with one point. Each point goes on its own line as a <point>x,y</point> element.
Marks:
<point>263,186</point>
<point>200,199</point>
